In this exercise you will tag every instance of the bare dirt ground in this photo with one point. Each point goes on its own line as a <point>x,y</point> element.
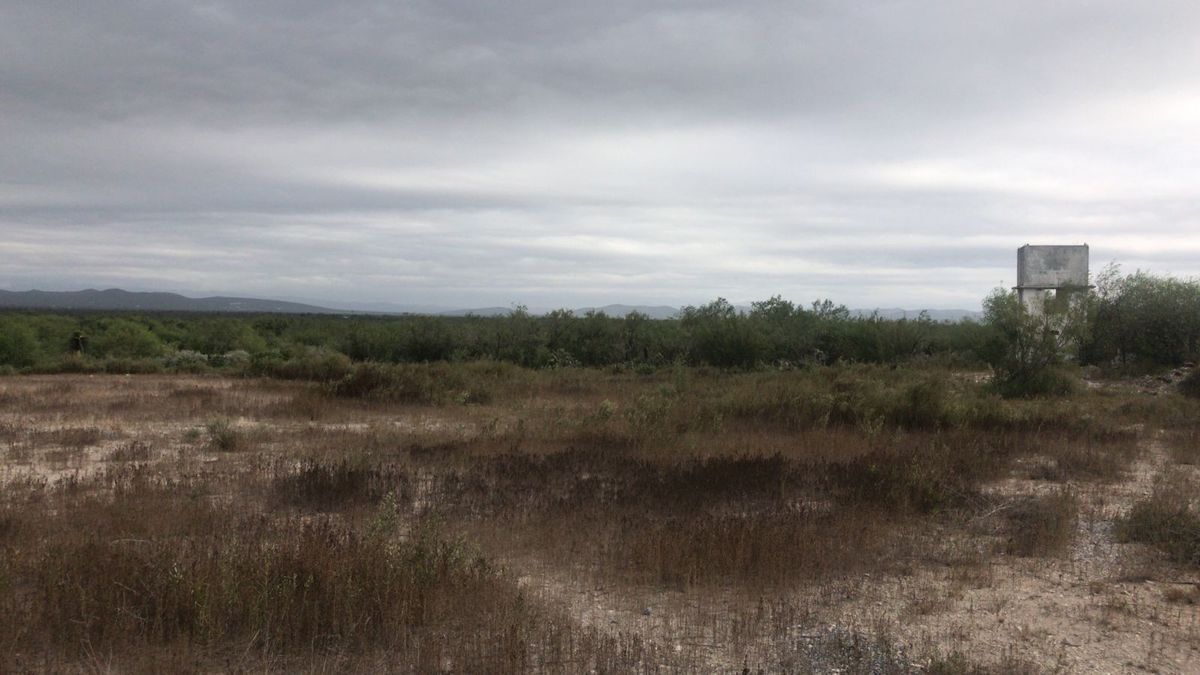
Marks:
<point>1102,607</point>
<point>1098,609</point>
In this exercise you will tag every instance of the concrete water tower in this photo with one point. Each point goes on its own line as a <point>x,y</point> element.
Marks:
<point>1050,273</point>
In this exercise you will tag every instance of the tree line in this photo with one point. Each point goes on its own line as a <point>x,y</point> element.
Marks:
<point>1137,319</point>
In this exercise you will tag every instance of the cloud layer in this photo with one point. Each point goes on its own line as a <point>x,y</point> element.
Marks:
<point>573,153</point>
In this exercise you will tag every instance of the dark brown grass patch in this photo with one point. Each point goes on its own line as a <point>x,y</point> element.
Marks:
<point>1041,526</point>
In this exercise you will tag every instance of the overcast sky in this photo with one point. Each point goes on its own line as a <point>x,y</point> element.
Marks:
<point>567,153</point>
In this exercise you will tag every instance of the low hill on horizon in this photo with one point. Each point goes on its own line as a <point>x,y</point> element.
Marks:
<point>121,300</point>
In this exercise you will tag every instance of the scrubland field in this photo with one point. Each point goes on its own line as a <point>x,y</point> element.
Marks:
<point>483,517</point>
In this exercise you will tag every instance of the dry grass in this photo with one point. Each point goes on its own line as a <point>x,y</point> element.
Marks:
<point>330,485</point>
<point>380,520</point>
<point>133,451</point>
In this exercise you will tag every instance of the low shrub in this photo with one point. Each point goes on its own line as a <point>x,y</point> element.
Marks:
<point>315,365</point>
<point>237,359</point>
<point>225,436</point>
<point>922,405</point>
<point>1048,382</point>
<point>187,361</point>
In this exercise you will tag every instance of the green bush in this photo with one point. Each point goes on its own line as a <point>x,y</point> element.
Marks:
<point>218,336</point>
<point>126,339</point>
<point>1026,350</point>
<point>1144,318</point>
<point>722,337</point>
<point>18,344</point>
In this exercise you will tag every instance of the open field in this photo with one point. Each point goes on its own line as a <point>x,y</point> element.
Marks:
<point>481,517</point>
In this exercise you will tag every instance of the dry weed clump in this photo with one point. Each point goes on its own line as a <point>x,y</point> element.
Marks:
<point>926,478</point>
<point>1041,526</point>
<point>330,485</point>
<point>67,437</point>
<point>225,436</point>
<point>1167,520</point>
<point>1189,595</point>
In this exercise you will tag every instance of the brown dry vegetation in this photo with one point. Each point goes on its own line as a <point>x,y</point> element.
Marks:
<point>485,518</point>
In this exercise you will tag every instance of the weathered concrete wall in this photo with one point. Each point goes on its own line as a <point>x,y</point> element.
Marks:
<point>1034,299</point>
<point>1052,266</point>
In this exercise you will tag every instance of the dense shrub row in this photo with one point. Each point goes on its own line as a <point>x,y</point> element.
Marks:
<point>1138,320</point>
<point>321,347</point>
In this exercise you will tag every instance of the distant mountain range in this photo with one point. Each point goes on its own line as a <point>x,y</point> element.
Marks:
<point>116,299</point>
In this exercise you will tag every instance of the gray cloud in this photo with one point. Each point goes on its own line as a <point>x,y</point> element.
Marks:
<point>880,153</point>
